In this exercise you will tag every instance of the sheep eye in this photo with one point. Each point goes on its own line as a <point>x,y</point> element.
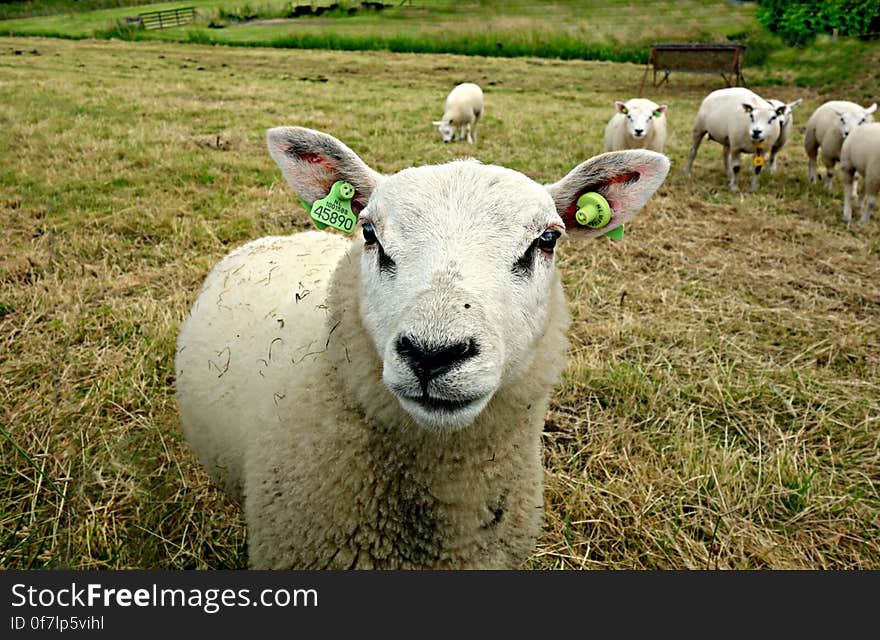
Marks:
<point>547,240</point>
<point>369,234</point>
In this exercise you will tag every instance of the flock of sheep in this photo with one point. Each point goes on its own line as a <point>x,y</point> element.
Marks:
<point>377,401</point>
<point>742,122</point>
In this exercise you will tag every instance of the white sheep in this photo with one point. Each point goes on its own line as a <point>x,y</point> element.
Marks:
<point>379,402</point>
<point>786,126</point>
<point>860,153</point>
<point>742,122</point>
<point>826,129</point>
<point>638,124</point>
<point>461,114</point>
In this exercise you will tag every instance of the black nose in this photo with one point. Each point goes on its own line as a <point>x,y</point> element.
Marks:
<point>639,132</point>
<point>430,361</point>
<point>756,133</point>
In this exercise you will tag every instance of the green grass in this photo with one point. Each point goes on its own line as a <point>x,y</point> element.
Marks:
<point>719,406</point>
<point>614,30</point>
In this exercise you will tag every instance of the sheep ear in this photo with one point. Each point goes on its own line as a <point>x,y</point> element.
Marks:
<point>871,109</point>
<point>437,123</point>
<point>621,106</point>
<point>747,107</point>
<point>312,161</point>
<point>795,104</point>
<point>661,108</point>
<point>626,179</point>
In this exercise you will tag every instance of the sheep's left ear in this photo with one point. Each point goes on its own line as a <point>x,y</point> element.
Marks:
<point>795,104</point>
<point>312,161</point>
<point>871,109</point>
<point>626,179</point>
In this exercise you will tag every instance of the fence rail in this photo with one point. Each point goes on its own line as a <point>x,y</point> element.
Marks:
<point>165,18</point>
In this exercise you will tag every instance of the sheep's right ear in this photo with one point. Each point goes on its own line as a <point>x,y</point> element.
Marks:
<point>626,179</point>
<point>312,161</point>
<point>437,123</point>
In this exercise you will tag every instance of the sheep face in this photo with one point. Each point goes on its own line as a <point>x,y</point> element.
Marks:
<point>788,109</point>
<point>762,120</point>
<point>457,271</point>
<point>447,130</point>
<point>639,119</point>
<point>849,120</point>
<point>456,261</point>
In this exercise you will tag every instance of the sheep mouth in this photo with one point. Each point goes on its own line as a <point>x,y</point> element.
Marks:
<point>433,403</point>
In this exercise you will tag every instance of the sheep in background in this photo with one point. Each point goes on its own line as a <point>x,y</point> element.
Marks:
<point>638,124</point>
<point>860,153</point>
<point>379,402</point>
<point>742,122</point>
<point>786,126</point>
<point>826,129</point>
<point>461,114</point>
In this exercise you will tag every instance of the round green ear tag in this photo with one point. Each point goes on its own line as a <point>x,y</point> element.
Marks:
<point>593,211</point>
<point>334,209</point>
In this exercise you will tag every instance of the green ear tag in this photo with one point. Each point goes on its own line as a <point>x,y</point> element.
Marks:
<point>616,233</point>
<point>334,209</point>
<point>593,211</point>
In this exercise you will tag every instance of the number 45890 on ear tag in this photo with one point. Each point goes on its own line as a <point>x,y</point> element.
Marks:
<point>334,209</point>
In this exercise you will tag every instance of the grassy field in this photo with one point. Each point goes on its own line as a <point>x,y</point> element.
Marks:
<point>720,406</point>
<point>611,29</point>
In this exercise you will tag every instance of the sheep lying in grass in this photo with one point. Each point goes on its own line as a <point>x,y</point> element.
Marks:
<point>826,129</point>
<point>638,124</point>
<point>379,402</point>
<point>464,106</point>
<point>742,122</point>
<point>786,126</point>
<point>860,154</point>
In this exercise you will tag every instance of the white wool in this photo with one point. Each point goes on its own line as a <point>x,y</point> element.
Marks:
<point>379,402</point>
<point>742,122</point>
<point>860,153</point>
<point>461,113</point>
<point>638,123</point>
<point>826,129</point>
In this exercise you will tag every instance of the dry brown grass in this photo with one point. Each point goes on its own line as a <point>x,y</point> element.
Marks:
<point>719,408</point>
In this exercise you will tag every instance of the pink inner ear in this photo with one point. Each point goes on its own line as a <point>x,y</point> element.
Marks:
<point>325,174</point>
<point>603,188</point>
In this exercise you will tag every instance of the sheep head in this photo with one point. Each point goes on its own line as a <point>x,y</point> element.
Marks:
<point>639,115</point>
<point>457,273</point>
<point>849,120</point>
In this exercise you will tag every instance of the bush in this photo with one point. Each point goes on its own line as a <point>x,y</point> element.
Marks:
<point>798,22</point>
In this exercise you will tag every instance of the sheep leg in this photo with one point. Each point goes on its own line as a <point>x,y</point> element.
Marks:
<point>470,137</point>
<point>772,165</point>
<point>756,171</point>
<point>734,169</point>
<point>476,121</point>
<point>869,199</point>
<point>698,139</point>
<point>812,148</point>
<point>847,178</point>
<point>829,170</point>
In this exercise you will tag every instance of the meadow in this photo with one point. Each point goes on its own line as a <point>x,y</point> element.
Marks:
<point>720,405</point>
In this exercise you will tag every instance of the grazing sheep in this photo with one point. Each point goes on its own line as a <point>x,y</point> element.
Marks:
<point>742,122</point>
<point>860,153</point>
<point>379,402</point>
<point>829,124</point>
<point>638,124</point>
<point>786,126</point>
<point>464,106</point>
